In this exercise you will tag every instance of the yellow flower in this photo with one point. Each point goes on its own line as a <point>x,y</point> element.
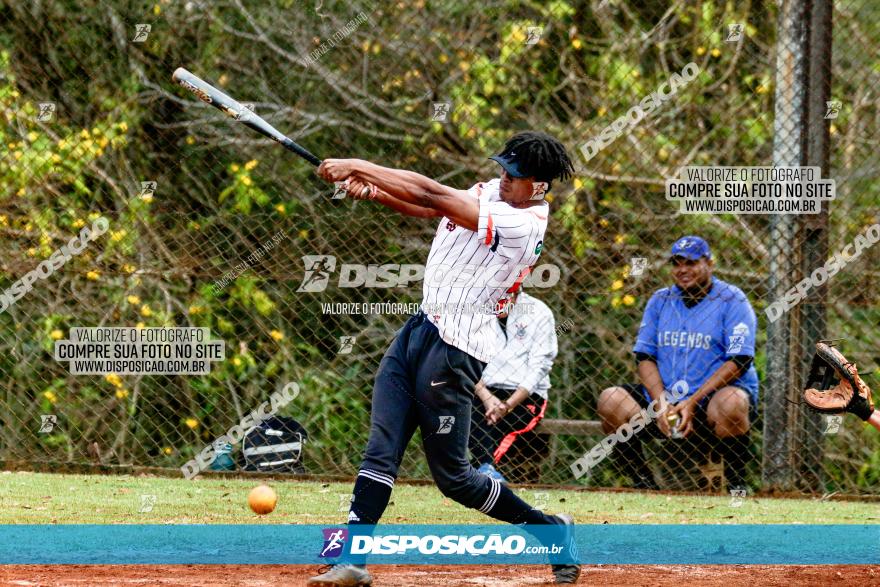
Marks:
<point>31,252</point>
<point>628,300</point>
<point>56,158</point>
<point>616,285</point>
<point>250,164</point>
<point>93,215</point>
<point>146,311</point>
<point>32,136</point>
<point>236,361</point>
<point>833,129</point>
<point>56,334</point>
<point>603,222</point>
<point>17,155</point>
<point>128,268</point>
<point>140,325</point>
<point>377,48</point>
<point>157,9</point>
<point>615,302</point>
<point>103,142</point>
<point>223,79</point>
<point>79,223</point>
<point>133,300</point>
<point>123,126</point>
<point>49,395</point>
<point>192,423</point>
<point>762,89</point>
<point>634,73</point>
<point>84,133</point>
<point>246,180</point>
<point>4,221</point>
<point>443,58</point>
<point>277,335</point>
<point>549,197</point>
<point>113,379</point>
<point>578,183</point>
<point>93,275</point>
<point>148,197</point>
<point>234,167</point>
<point>304,233</point>
<point>577,44</point>
<point>618,239</point>
<point>190,140</point>
<point>121,393</point>
<point>601,111</point>
<point>716,52</point>
<point>195,310</point>
<point>117,235</point>
<point>281,209</point>
<point>518,35</point>
<point>701,50</point>
<point>167,450</point>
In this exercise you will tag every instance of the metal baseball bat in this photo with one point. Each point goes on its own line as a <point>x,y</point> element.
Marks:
<point>211,95</point>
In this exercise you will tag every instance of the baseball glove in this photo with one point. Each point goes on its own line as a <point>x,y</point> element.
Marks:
<point>850,394</point>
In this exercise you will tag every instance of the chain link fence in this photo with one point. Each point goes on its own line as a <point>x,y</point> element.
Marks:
<point>211,225</point>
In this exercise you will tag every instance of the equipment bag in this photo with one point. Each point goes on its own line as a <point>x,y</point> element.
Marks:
<point>275,445</point>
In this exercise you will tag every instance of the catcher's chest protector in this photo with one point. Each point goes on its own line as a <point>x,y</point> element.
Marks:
<point>275,446</point>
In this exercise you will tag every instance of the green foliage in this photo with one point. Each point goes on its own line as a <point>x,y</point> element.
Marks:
<point>224,192</point>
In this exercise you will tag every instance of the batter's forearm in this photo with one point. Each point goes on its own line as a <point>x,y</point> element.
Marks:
<point>408,186</point>
<point>405,208</point>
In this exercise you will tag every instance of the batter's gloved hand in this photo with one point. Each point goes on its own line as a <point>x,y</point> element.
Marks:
<point>850,394</point>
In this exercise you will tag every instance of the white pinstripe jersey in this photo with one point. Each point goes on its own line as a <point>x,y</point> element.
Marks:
<point>488,263</point>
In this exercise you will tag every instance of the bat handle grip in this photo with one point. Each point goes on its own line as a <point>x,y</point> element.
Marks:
<point>301,152</point>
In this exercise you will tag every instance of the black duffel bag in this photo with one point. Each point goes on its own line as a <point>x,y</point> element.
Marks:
<point>275,445</point>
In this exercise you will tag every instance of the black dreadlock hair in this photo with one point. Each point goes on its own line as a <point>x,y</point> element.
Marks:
<point>539,155</point>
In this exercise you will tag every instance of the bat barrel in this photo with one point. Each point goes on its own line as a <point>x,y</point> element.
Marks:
<point>231,107</point>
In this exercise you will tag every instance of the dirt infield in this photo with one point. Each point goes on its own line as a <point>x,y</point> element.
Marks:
<point>471,576</point>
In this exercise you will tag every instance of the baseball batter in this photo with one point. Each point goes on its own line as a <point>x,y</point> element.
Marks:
<point>427,376</point>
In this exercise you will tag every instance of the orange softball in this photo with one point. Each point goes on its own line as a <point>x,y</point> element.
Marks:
<point>262,499</point>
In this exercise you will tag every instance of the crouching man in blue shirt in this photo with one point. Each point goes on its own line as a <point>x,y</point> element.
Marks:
<point>696,344</point>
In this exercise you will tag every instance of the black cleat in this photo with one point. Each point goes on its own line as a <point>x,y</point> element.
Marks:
<point>567,573</point>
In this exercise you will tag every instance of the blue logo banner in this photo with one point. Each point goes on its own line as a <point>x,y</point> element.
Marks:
<point>440,544</point>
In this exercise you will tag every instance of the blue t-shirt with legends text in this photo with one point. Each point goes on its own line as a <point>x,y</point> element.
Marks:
<point>692,343</point>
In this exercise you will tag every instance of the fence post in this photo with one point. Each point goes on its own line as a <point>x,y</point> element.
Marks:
<point>815,228</point>
<point>789,148</point>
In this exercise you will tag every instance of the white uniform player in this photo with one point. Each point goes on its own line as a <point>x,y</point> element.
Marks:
<point>469,274</point>
<point>487,238</point>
